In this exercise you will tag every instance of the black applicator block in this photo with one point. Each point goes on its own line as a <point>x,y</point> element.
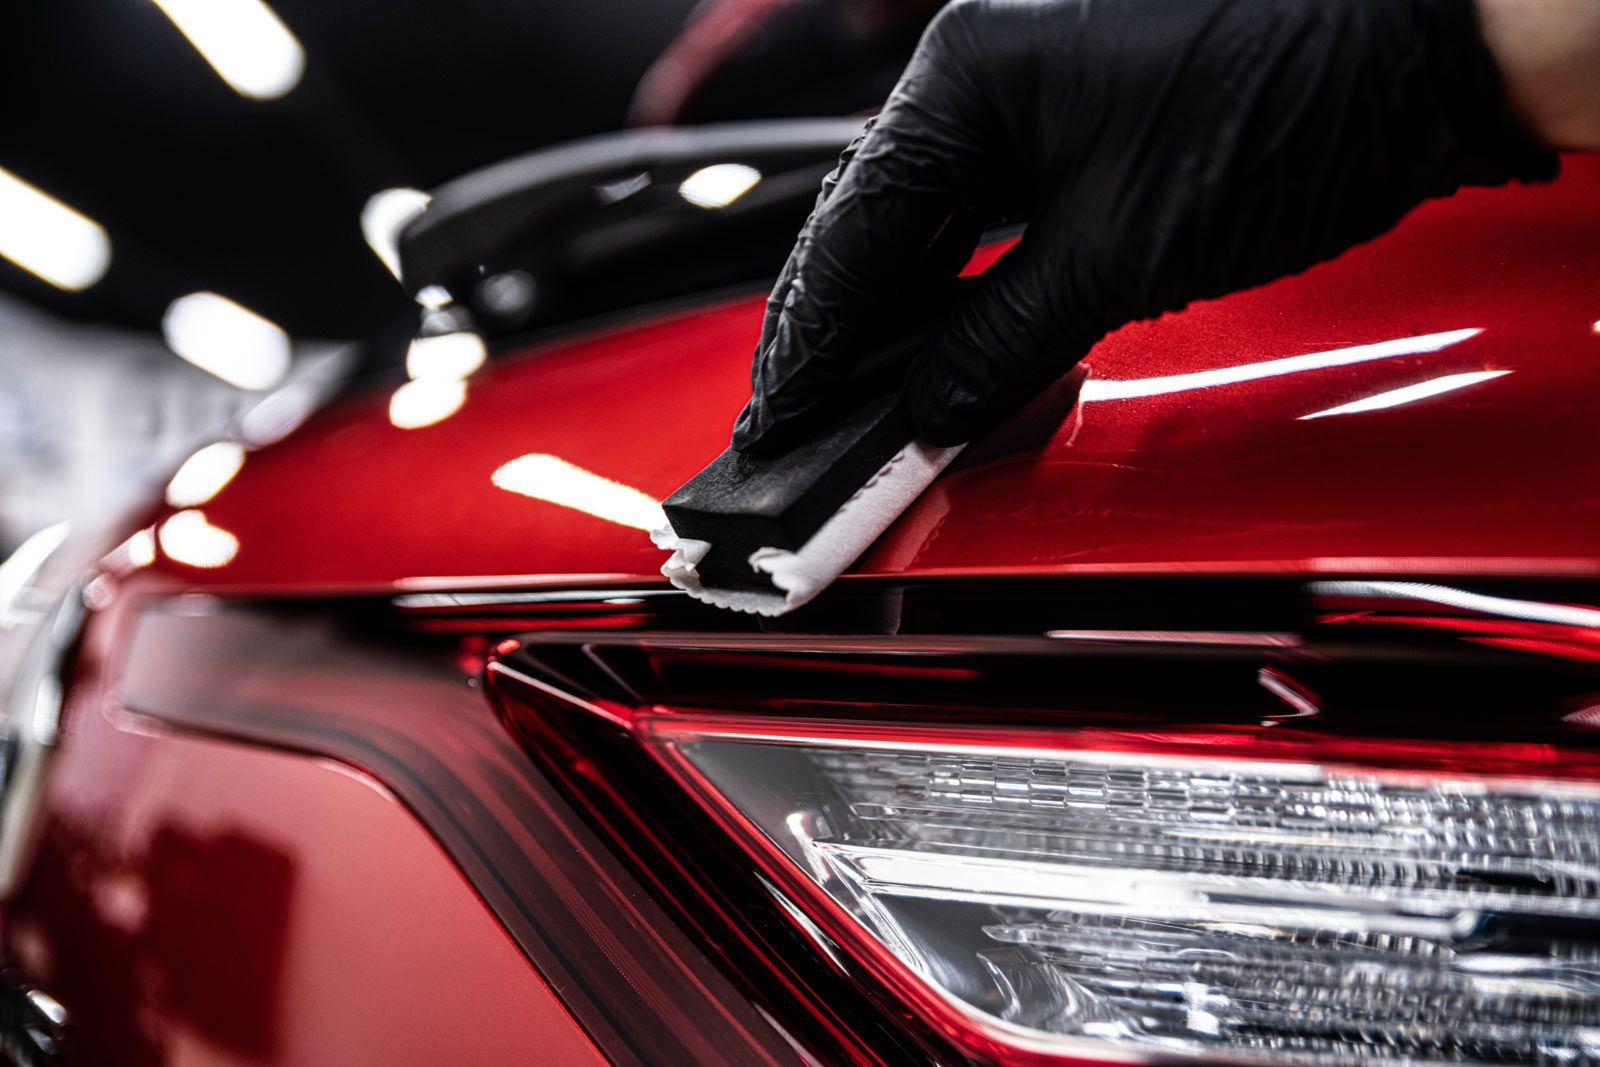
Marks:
<point>742,503</point>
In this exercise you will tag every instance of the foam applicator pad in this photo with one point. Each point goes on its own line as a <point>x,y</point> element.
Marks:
<point>767,535</point>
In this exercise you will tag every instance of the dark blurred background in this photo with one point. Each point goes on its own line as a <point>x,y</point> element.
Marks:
<point>225,153</point>
<point>201,188</point>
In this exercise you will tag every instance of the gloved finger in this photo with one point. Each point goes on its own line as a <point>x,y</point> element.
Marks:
<point>867,245</point>
<point>951,250</point>
<point>1011,333</point>
<point>856,270</point>
<point>885,352</point>
<point>780,289</point>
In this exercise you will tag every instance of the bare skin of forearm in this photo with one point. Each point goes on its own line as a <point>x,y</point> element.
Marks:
<point>1549,53</point>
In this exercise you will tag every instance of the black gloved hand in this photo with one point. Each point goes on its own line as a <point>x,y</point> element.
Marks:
<point>1161,151</point>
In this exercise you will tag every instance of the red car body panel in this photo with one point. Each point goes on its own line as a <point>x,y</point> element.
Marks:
<point>262,907</point>
<point>1496,473</point>
<point>194,900</point>
<point>271,907</point>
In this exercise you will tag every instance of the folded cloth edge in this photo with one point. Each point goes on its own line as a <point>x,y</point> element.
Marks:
<point>802,574</point>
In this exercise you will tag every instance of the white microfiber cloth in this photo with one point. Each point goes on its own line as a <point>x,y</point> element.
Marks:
<point>799,576</point>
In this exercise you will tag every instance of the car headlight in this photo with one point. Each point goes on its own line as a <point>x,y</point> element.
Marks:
<point>1294,910</point>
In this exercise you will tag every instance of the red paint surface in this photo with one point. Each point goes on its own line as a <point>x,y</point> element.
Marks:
<point>250,906</point>
<point>404,709</point>
<point>1498,476</point>
<point>198,901</point>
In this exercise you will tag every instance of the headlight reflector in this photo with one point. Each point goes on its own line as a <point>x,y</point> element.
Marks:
<point>1158,903</point>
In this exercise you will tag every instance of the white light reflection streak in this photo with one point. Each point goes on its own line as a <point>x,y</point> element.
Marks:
<point>188,537</point>
<point>1100,389</point>
<point>205,474</point>
<point>1303,707</point>
<point>386,213</point>
<point>244,41</point>
<point>434,297</point>
<point>451,356</point>
<point>1461,599</point>
<point>426,401</point>
<point>1178,637</point>
<point>555,481</point>
<point>47,238</point>
<point>439,367</point>
<point>1409,394</point>
<point>1144,895</point>
<point>139,550</point>
<point>22,566</point>
<point>718,185</point>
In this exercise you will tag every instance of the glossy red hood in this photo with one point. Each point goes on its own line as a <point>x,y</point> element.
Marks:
<point>1216,440</point>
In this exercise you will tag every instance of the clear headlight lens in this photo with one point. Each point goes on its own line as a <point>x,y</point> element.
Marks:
<point>1290,910</point>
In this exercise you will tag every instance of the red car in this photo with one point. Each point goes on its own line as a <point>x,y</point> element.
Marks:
<point>1243,712</point>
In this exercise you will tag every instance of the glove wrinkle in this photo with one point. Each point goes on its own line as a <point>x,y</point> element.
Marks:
<point>1166,151</point>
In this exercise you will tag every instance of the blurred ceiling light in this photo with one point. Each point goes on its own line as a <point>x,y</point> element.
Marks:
<point>719,185</point>
<point>47,238</point>
<point>384,216</point>
<point>22,566</point>
<point>451,356</point>
<point>244,41</point>
<point>1099,389</point>
<point>204,474</point>
<point>554,480</point>
<point>426,401</point>
<point>188,537</point>
<point>229,341</point>
<point>1596,326</point>
<point>1421,391</point>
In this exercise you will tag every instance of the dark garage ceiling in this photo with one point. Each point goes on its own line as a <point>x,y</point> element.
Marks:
<point>108,108</point>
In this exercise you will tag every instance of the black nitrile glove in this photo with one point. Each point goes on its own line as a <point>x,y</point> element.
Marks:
<point>1160,151</point>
